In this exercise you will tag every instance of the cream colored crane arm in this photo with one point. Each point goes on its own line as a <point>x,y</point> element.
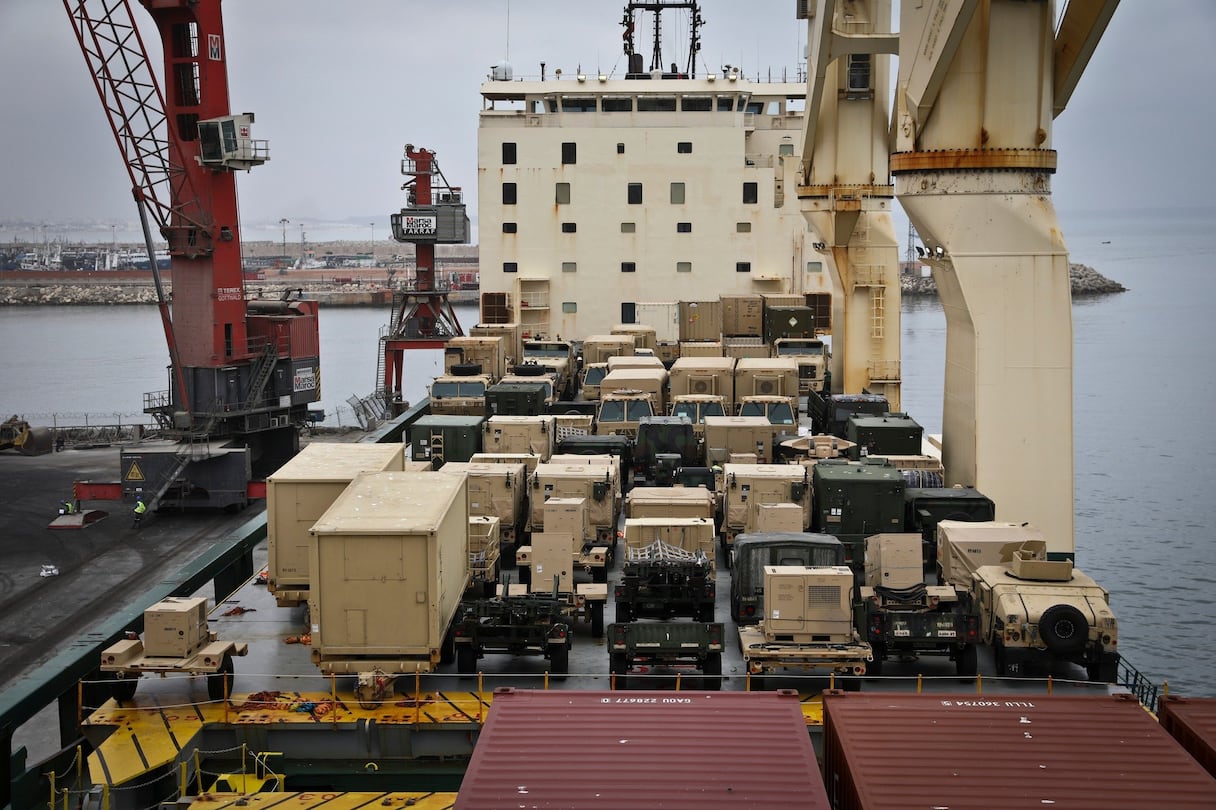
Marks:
<point>936,42</point>
<point>1081,28</point>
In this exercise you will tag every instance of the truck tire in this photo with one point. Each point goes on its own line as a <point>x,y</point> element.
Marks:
<point>968,661</point>
<point>712,681</point>
<point>624,613</point>
<point>597,619</point>
<point>1063,629</point>
<point>219,682</point>
<point>466,659</point>
<point>466,369</point>
<point>559,659</point>
<point>618,665</point>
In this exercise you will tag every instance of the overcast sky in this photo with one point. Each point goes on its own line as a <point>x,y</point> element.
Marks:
<point>338,88</point>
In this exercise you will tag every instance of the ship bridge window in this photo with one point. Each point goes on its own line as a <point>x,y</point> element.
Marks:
<point>773,108</point>
<point>569,307</point>
<point>510,267</point>
<point>697,103</point>
<point>510,227</point>
<point>508,153</point>
<point>683,227</point>
<point>751,193</point>
<point>551,103</point>
<point>858,76</point>
<point>578,103</point>
<point>616,104</point>
<point>743,227</point>
<point>569,152</point>
<point>677,193</point>
<point>656,103</point>
<point>629,267</point>
<point>629,227</point>
<point>726,103</point>
<point>635,193</point>
<point>743,267</point>
<point>754,107</point>
<point>508,194</point>
<point>683,267</point>
<point>684,147</point>
<point>562,194</point>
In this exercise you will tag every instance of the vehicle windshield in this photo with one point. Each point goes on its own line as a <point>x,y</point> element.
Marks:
<point>777,413</point>
<point>546,350</point>
<point>612,410</point>
<point>688,409</point>
<point>471,388</point>
<point>637,408</point>
<point>595,374</point>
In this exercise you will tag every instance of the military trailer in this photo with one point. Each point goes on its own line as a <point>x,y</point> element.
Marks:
<point>595,482</point>
<point>519,625</point>
<point>749,486</point>
<point>176,639</point>
<point>727,436</point>
<point>496,490</point>
<point>548,568</point>
<point>854,500</point>
<point>693,535</point>
<point>518,398</point>
<point>670,646</point>
<point>520,434</point>
<point>888,434</point>
<point>669,502</point>
<point>570,516</point>
<point>755,550</point>
<point>813,359</point>
<point>705,376</point>
<point>389,567</point>
<point>488,352</point>
<point>299,492</point>
<point>460,392</point>
<point>440,439</point>
<point>807,624</point>
<point>901,616</point>
<point>659,581</point>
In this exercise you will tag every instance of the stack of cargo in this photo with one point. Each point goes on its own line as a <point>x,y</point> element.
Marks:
<point>443,438</point>
<point>496,490</point>
<point>520,434</point>
<point>743,326</point>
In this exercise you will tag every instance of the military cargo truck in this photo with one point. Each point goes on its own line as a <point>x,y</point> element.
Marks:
<point>460,392</point>
<point>663,444</point>
<point>558,356</point>
<point>755,550</point>
<point>651,381</point>
<point>440,439</point>
<point>767,377</point>
<point>900,616</point>
<point>675,646</point>
<point>536,374</point>
<point>520,434</point>
<point>621,411</point>
<point>748,486</point>
<point>778,410</point>
<point>1035,610</point>
<point>813,359</point>
<point>299,492</point>
<point>176,639</point>
<point>389,565</point>
<point>807,624</point>
<point>695,407</point>
<point>488,352</point>
<point>705,376</point>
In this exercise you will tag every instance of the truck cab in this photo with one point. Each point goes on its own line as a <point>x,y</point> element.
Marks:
<point>813,358</point>
<point>558,357</point>
<point>698,406</point>
<point>622,410</point>
<point>593,375</point>
<point>461,392</point>
<point>777,410</point>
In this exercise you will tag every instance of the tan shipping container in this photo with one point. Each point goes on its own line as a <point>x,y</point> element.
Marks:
<point>963,547</point>
<point>519,434</point>
<point>705,375</point>
<point>748,486</point>
<point>669,502</point>
<point>644,336</point>
<point>389,564</point>
<point>700,320</point>
<point>701,348</point>
<point>595,482</point>
<point>500,490</point>
<point>742,315</point>
<point>176,627</point>
<point>727,435</point>
<point>598,348</point>
<point>766,376</point>
<point>741,347</point>
<point>634,361</point>
<point>690,534</point>
<point>778,517</point>
<point>592,458</point>
<point>512,335</point>
<point>893,560</point>
<point>489,352</point>
<point>783,299</point>
<point>529,460</point>
<point>299,492</point>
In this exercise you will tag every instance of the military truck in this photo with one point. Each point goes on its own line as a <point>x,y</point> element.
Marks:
<point>829,413</point>
<point>1039,611</point>
<point>755,550</point>
<point>487,352</point>
<point>901,616</point>
<point>778,410</point>
<point>652,381</point>
<point>748,487</point>
<point>813,359</point>
<point>534,373</point>
<point>674,646</point>
<point>519,625</point>
<point>557,356</point>
<point>807,624</point>
<point>695,407</point>
<point>621,411</point>
<point>767,377</point>
<point>663,444</point>
<point>705,376</point>
<point>592,375</point>
<point>660,580</point>
<point>176,639</point>
<point>460,392</point>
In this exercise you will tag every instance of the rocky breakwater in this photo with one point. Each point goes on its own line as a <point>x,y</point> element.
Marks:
<point>1084,280</point>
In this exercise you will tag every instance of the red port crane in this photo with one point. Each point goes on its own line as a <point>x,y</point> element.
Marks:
<point>422,316</point>
<point>242,372</point>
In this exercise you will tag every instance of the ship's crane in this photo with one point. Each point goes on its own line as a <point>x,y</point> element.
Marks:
<point>434,214</point>
<point>242,372</point>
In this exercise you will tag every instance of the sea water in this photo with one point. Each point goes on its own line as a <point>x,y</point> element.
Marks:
<point>1144,385</point>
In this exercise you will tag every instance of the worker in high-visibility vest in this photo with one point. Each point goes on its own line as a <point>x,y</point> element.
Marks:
<point>140,508</point>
